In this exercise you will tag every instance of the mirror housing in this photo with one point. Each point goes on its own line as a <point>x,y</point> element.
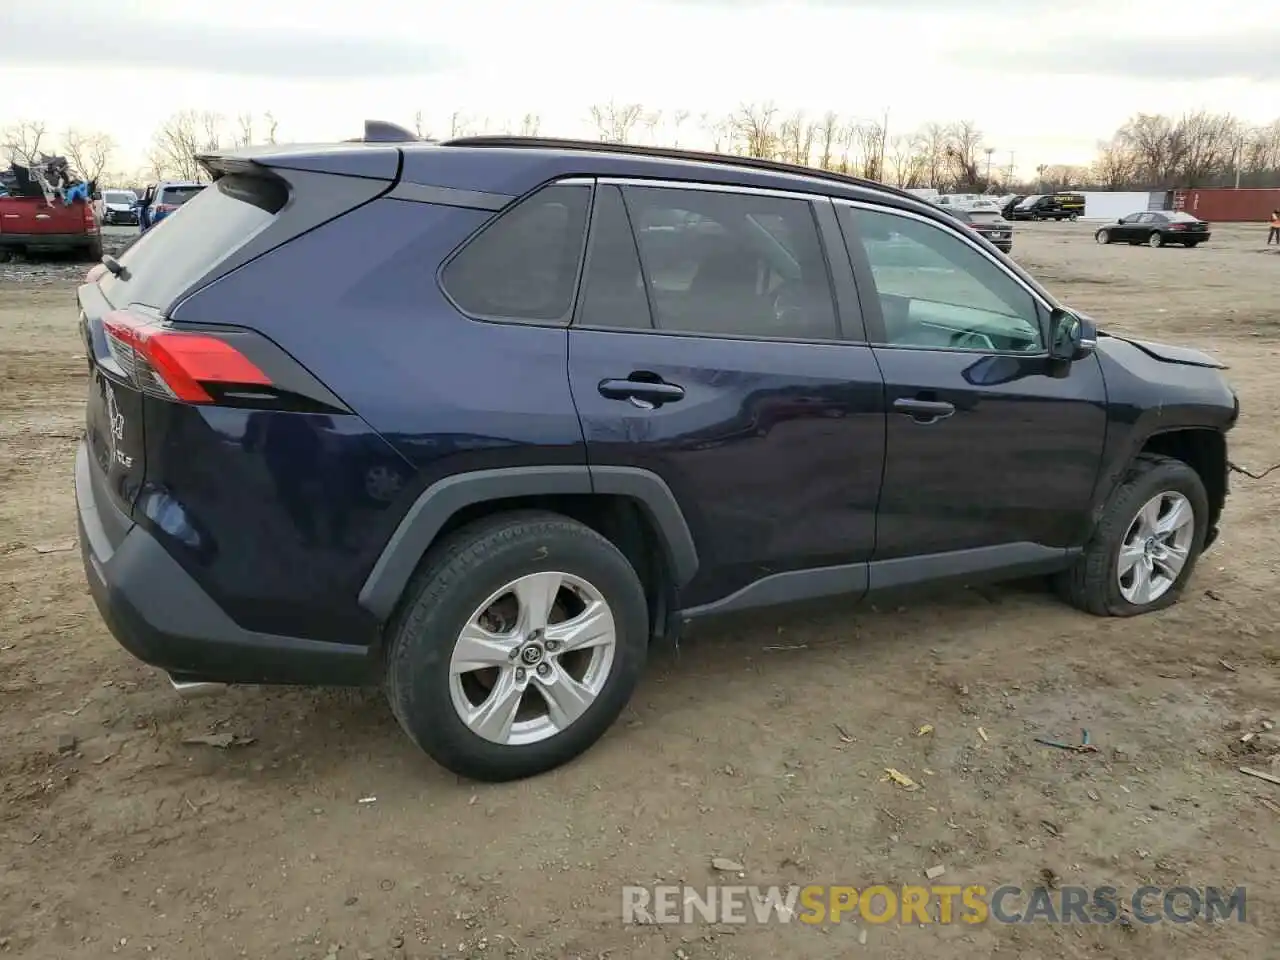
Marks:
<point>1071,337</point>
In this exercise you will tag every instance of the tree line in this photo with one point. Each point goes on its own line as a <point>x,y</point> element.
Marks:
<point>1148,152</point>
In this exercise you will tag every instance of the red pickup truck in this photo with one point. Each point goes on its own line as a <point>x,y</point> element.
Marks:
<point>31,224</point>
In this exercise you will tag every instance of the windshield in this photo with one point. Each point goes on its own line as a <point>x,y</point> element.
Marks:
<point>1027,201</point>
<point>1181,216</point>
<point>984,216</point>
<point>118,196</point>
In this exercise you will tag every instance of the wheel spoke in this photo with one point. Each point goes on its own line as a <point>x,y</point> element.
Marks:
<point>493,718</point>
<point>1149,517</point>
<point>1130,554</point>
<point>1179,516</point>
<point>567,699</point>
<point>478,649</point>
<point>536,594</point>
<point>592,628</point>
<point>1141,588</point>
<point>1171,560</point>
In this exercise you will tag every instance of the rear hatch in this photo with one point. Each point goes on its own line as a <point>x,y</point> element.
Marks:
<point>34,217</point>
<point>135,354</point>
<point>147,369</point>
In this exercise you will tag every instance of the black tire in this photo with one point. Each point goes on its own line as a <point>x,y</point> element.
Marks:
<point>1091,584</point>
<point>1193,244</point>
<point>1103,236</point>
<point>93,252</point>
<point>455,578</point>
<point>1156,240</point>
<point>5,255</point>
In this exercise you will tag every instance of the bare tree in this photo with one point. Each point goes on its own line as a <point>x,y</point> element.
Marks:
<point>934,142</point>
<point>717,130</point>
<point>652,120</point>
<point>826,135</point>
<point>175,146</point>
<point>795,139</point>
<point>243,135</point>
<point>88,151</point>
<point>615,123</point>
<point>754,129</point>
<point>964,143</point>
<point>272,125</point>
<point>906,160</point>
<point>1115,166</point>
<point>22,141</point>
<point>677,120</point>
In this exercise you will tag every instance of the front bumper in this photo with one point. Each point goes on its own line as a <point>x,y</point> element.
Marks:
<point>159,613</point>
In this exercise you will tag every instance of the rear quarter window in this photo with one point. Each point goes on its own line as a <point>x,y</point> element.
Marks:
<point>171,257</point>
<point>524,264</point>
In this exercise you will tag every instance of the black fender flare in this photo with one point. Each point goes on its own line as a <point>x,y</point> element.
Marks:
<point>434,507</point>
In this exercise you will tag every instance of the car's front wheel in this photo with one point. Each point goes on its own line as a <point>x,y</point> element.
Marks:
<point>1103,236</point>
<point>522,640</point>
<point>1145,547</point>
<point>1156,240</point>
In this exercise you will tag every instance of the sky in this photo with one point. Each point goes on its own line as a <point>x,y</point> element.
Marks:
<point>1045,80</point>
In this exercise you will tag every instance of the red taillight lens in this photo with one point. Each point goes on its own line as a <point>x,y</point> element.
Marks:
<point>90,221</point>
<point>176,364</point>
<point>1179,226</point>
<point>166,207</point>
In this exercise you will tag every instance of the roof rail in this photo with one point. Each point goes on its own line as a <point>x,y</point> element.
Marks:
<point>672,153</point>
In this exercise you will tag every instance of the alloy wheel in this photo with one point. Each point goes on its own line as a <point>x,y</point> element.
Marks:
<point>1156,548</point>
<point>533,658</point>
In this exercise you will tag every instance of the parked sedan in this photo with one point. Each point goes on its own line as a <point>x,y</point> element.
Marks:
<point>1156,228</point>
<point>988,223</point>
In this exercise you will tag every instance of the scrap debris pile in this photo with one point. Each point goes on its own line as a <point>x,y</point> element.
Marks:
<point>50,178</point>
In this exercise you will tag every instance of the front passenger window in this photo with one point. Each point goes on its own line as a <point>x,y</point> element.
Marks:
<point>937,291</point>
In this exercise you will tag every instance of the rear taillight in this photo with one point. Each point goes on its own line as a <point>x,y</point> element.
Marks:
<point>90,221</point>
<point>166,207</point>
<point>176,364</point>
<point>1179,226</point>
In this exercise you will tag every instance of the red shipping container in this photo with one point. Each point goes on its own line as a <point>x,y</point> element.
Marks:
<point>1225,205</point>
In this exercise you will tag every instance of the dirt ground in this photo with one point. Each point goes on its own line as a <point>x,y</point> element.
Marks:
<point>765,743</point>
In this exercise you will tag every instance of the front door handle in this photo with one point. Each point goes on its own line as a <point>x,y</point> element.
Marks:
<point>924,411</point>
<point>645,394</point>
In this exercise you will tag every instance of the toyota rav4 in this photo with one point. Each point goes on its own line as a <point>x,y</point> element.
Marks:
<point>478,421</point>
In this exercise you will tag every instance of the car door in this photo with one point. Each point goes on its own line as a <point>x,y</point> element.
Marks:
<point>718,347</point>
<point>992,448</point>
<point>1122,231</point>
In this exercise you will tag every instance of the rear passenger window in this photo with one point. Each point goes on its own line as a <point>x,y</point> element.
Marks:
<point>613,292</point>
<point>732,264</point>
<point>524,264</point>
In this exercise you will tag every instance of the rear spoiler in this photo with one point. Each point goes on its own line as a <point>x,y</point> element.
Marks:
<point>379,160</point>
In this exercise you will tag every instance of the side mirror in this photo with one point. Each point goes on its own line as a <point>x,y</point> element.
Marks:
<point>1072,337</point>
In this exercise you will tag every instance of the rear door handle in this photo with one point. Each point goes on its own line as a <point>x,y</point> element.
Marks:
<point>924,411</point>
<point>645,394</point>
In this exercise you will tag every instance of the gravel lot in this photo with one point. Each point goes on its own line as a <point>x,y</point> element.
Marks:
<point>765,742</point>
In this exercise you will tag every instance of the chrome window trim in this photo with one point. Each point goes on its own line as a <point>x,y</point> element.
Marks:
<point>705,187</point>
<point>947,228</point>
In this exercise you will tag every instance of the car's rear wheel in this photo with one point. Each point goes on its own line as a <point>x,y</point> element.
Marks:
<point>1156,240</point>
<point>1147,543</point>
<point>1193,243</point>
<point>94,250</point>
<point>1074,217</point>
<point>521,641</point>
<point>1103,236</point>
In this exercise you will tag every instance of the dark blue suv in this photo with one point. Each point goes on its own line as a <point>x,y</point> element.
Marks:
<point>478,421</point>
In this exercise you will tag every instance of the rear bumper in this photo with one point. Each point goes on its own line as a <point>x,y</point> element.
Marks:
<point>160,614</point>
<point>47,241</point>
